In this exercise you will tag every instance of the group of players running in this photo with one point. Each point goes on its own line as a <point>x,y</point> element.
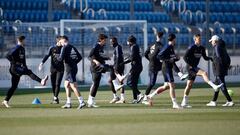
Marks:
<point>65,57</point>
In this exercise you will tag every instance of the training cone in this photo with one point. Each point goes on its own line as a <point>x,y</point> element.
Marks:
<point>36,101</point>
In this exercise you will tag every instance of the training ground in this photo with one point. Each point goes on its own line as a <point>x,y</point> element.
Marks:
<point>119,119</point>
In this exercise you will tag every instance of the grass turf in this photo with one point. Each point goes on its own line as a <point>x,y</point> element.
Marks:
<point>27,119</point>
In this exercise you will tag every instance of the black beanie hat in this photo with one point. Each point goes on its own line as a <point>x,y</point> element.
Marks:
<point>132,39</point>
<point>171,37</point>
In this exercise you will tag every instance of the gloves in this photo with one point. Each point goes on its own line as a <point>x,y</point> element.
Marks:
<point>177,58</point>
<point>40,66</point>
<point>211,59</point>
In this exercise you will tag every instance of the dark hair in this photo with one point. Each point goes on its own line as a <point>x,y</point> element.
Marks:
<point>114,40</point>
<point>58,38</point>
<point>171,37</point>
<point>64,37</point>
<point>102,36</point>
<point>132,39</point>
<point>21,38</point>
<point>197,35</point>
<point>160,34</point>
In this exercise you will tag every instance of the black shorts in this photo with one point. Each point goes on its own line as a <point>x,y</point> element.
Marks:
<point>120,71</point>
<point>19,70</point>
<point>70,74</point>
<point>168,75</point>
<point>192,73</point>
<point>103,68</point>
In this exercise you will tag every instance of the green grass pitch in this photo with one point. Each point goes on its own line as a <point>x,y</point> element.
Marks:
<point>124,119</point>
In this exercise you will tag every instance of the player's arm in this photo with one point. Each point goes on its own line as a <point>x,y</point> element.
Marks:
<point>118,54</point>
<point>219,54</point>
<point>133,55</point>
<point>92,56</point>
<point>62,53</point>
<point>47,55</point>
<point>25,63</point>
<point>79,57</point>
<point>10,55</point>
<point>205,57</point>
<point>187,55</point>
<point>147,52</point>
<point>162,54</point>
<point>217,61</point>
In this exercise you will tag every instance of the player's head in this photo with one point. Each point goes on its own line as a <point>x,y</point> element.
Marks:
<point>214,40</point>
<point>58,38</point>
<point>113,41</point>
<point>159,35</point>
<point>20,40</point>
<point>102,39</point>
<point>131,40</point>
<point>172,38</point>
<point>64,40</point>
<point>197,39</point>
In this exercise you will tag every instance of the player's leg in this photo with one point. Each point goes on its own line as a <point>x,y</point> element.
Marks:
<point>112,80</point>
<point>75,89</point>
<point>68,78</point>
<point>121,77</point>
<point>53,83</point>
<point>132,82</point>
<point>180,74</point>
<point>164,87</point>
<point>57,86</point>
<point>115,97</point>
<point>35,77</point>
<point>113,76</point>
<point>73,85</point>
<point>206,79</point>
<point>219,80</point>
<point>225,92</point>
<point>153,78</point>
<point>129,83</point>
<point>173,95</point>
<point>192,73</point>
<point>186,94</point>
<point>122,95</point>
<point>96,77</point>
<point>152,82</point>
<point>139,94</point>
<point>213,103</point>
<point>159,90</point>
<point>68,95</point>
<point>188,87</point>
<point>14,80</point>
<point>171,84</point>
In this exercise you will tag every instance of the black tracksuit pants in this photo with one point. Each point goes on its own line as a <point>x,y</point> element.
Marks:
<point>132,81</point>
<point>97,75</point>
<point>16,78</point>
<point>56,79</point>
<point>219,80</point>
<point>153,78</point>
